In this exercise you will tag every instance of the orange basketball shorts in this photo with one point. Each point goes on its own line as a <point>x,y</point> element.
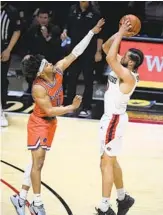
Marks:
<point>40,132</point>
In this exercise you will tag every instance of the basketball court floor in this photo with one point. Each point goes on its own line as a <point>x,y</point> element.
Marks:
<point>71,176</point>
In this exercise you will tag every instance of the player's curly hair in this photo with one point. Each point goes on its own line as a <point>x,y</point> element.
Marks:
<point>30,65</point>
<point>137,56</point>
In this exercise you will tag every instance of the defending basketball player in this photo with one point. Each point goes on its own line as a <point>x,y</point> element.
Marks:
<point>122,81</point>
<point>47,93</point>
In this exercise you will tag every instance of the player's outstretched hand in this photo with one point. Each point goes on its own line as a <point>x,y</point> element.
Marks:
<point>76,101</point>
<point>98,26</point>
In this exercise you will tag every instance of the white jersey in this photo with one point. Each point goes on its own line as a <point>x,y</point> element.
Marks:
<point>115,102</point>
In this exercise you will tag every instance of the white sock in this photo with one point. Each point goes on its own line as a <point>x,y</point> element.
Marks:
<point>121,194</point>
<point>104,205</point>
<point>37,199</point>
<point>23,194</point>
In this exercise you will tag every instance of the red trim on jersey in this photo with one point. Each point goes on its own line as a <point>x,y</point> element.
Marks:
<point>110,134</point>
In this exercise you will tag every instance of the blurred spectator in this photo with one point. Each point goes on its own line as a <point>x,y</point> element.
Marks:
<point>43,38</point>
<point>10,33</point>
<point>82,17</point>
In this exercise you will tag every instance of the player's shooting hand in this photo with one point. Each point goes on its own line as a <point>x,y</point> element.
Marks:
<point>125,27</point>
<point>76,102</point>
<point>98,26</point>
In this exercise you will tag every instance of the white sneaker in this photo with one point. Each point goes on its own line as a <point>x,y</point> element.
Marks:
<point>37,210</point>
<point>4,122</point>
<point>19,204</point>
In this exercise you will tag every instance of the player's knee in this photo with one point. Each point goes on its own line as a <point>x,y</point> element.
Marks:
<point>104,164</point>
<point>107,161</point>
<point>116,165</point>
<point>38,164</point>
<point>41,163</point>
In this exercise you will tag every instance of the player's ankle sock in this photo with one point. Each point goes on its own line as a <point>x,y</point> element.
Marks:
<point>23,194</point>
<point>121,194</point>
<point>37,199</point>
<point>104,205</point>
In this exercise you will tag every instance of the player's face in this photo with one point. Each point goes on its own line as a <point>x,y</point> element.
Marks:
<point>48,68</point>
<point>125,59</point>
<point>43,19</point>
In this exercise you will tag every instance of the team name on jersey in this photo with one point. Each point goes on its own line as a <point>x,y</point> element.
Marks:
<point>56,94</point>
<point>112,79</point>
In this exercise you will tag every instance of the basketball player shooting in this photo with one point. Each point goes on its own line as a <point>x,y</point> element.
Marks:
<point>47,93</point>
<point>122,82</point>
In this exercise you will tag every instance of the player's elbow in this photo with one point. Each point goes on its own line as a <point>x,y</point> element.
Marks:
<point>104,48</point>
<point>74,55</point>
<point>109,58</point>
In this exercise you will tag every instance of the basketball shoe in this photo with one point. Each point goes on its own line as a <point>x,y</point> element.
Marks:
<point>108,212</point>
<point>124,205</point>
<point>37,210</point>
<point>19,204</point>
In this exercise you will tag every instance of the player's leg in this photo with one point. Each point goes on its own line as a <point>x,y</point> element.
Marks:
<point>36,135</point>
<point>124,200</point>
<point>26,182</point>
<point>19,200</point>
<point>118,180</point>
<point>38,157</point>
<point>107,163</point>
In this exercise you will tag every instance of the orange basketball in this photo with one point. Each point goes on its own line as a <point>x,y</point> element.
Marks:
<point>135,22</point>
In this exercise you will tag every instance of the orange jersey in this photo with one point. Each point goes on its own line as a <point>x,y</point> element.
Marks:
<point>54,91</point>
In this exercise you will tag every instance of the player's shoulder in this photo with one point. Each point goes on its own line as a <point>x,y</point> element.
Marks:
<point>38,90</point>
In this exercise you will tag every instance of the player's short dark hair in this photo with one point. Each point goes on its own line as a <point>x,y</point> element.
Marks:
<point>30,66</point>
<point>137,56</point>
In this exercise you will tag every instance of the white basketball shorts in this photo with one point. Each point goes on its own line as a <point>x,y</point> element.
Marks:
<point>111,133</point>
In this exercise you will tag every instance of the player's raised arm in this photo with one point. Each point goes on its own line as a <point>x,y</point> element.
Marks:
<point>80,47</point>
<point>43,101</point>
<point>106,46</point>
<point>111,57</point>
